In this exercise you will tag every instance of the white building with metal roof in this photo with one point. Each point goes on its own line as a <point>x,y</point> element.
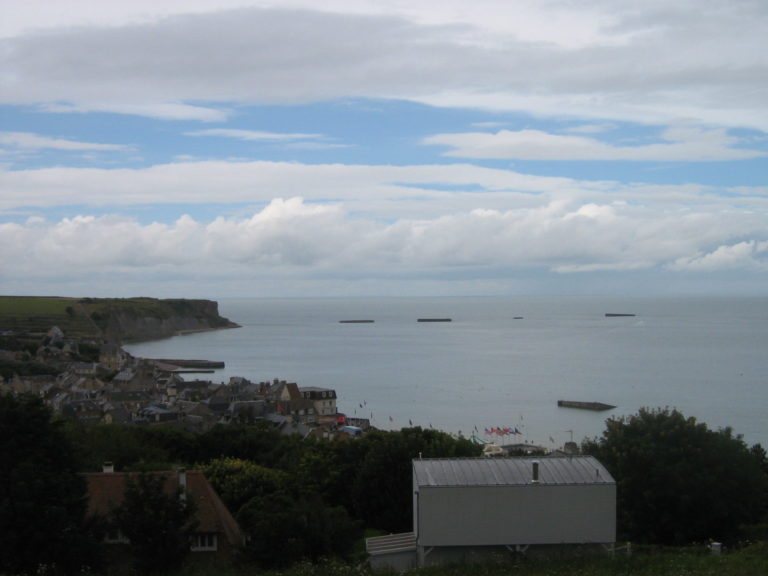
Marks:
<point>466,509</point>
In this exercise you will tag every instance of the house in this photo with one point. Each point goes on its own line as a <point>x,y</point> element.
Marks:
<point>290,402</point>
<point>82,409</point>
<point>124,378</point>
<point>112,357</point>
<point>115,413</point>
<point>38,385</point>
<point>217,532</point>
<point>218,399</point>
<point>246,411</point>
<point>467,510</point>
<point>83,368</point>
<point>155,413</point>
<point>323,399</point>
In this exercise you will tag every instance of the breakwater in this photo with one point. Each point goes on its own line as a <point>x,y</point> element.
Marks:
<point>201,364</point>
<point>596,406</point>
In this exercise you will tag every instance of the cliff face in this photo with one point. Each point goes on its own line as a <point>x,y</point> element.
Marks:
<point>135,319</point>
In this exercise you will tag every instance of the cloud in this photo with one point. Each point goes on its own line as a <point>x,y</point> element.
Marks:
<point>31,141</point>
<point>163,110</point>
<point>556,23</point>
<point>386,191</point>
<point>678,144</point>
<point>597,61</point>
<point>747,255</point>
<point>293,238</point>
<point>378,192</point>
<point>253,135</point>
<point>287,140</point>
<point>591,128</point>
<point>284,233</point>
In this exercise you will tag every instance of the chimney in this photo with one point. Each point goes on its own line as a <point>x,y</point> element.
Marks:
<point>535,471</point>
<point>108,468</point>
<point>183,483</point>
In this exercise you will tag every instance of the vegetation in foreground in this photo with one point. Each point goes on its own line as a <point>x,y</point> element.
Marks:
<point>303,501</point>
<point>679,482</point>
<point>751,560</point>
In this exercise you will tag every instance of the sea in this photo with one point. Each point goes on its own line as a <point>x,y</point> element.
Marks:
<point>502,363</point>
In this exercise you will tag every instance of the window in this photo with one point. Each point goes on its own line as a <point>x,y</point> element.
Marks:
<point>204,542</point>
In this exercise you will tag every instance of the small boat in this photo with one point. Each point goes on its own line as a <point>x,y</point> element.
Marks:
<point>434,320</point>
<point>615,315</point>
<point>355,321</point>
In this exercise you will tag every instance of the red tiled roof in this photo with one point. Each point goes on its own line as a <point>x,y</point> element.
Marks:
<point>106,489</point>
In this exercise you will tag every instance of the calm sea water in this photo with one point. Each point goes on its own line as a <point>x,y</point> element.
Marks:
<point>503,362</point>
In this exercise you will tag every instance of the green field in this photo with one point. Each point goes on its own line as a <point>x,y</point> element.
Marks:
<point>37,315</point>
<point>88,318</point>
<point>34,306</point>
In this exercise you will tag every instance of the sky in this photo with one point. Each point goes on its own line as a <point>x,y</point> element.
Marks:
<point>256,148</point>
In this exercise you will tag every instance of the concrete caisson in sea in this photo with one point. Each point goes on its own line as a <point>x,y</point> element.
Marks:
<point>597,406</point>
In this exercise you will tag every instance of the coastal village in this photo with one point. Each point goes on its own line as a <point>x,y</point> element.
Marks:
<point>454,508</point>
<point>122,389</point>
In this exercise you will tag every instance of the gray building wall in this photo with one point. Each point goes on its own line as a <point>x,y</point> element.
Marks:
<point>517,514</point>
<point>480,509</point>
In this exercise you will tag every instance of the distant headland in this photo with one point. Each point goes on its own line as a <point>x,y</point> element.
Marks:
<point>110,319</point>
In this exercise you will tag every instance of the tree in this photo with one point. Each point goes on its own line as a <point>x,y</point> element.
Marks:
<point>260,443</point>
<point>129,447</point>
<point>42,496</point>
<point>158,525</point>
<point>679,482</point>
<point>284,528</point>
<point>237,481</point>
<point>382,490</point>
<point>285,520</point>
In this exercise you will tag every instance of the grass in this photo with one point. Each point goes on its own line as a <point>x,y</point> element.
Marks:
<point>36,306</point>
<point>749,561</point>
<point>687,563</point>
<point>36,315</point>
<point>87,317</point>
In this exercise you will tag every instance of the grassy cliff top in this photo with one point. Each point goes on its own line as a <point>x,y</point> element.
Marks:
<point>88,317</point>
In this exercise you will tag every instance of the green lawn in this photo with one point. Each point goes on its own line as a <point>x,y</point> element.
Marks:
<point>27,306</point>
<point>36,315</point>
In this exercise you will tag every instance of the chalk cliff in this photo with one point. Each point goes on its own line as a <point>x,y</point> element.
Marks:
<point>133,319</point>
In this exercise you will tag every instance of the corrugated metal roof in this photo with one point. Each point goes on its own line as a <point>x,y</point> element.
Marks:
<point>510,471</point>
<point>390,543</point>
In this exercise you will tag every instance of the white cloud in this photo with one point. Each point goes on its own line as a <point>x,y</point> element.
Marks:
<point>565,228</point>
<point>696,74</point>
<point>164,110</point>
<point>747,255</point>
<point>287,140</point>
<point>386,191</point>
<point>31,141</point>
<point>379,192</point>
<point>678,144</point>
<point>749,190</point>
<point>556,23</point>
<point>253,135</point>
<point>591,128</point>
<point>615,61</point>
